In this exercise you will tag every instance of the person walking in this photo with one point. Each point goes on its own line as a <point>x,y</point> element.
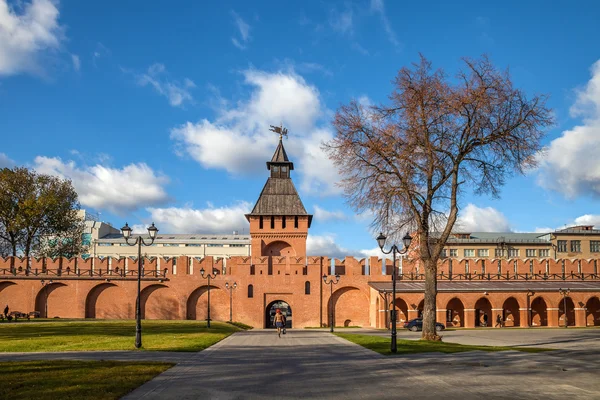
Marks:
<point>278,321</point>
<point>498,321</point>
<point>485,319</point>
<point>6,311</point>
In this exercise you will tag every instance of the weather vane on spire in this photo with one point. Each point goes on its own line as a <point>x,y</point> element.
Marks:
<point>279,129</point>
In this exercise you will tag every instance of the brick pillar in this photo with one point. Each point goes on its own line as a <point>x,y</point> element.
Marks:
<point>552,317</point>
<point>441,315</point>
<point>495,313</point>
<point>469,317</point>
<point>412,314</point>
<point>524,314</point>
<point>580,317</point>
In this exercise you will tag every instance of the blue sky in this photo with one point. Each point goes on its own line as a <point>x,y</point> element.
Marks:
<point>159,111</point>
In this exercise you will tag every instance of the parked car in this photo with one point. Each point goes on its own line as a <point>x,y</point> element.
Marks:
<point>417,325</point>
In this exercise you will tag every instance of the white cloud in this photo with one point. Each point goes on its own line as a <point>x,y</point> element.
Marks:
<point>244,30</point>
<point>588,219</point>
<point>240,142</point>
<point>26,32</point>
<point>223,220</point>
<point>379,7</point>
<point>323,215</point>
<point>476,219</point>
<point>326,245</point>
<point>117,190</point>
<point>570,165</point>
<point>76,62</point>
<point>176,92</point>
<point>5,161</point>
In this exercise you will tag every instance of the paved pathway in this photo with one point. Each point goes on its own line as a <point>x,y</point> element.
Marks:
<point>316,364</point>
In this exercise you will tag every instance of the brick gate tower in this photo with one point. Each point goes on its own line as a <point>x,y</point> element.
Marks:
<point>279,222</point>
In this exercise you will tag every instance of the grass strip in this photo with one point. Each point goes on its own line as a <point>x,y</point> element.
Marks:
<point>91,335</point>
<point>60,379</point>
<point>382,345</point>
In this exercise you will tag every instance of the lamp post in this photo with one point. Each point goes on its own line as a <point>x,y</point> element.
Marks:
<point>564,293</point>
<point>209,277</point>
<point>394,250</point>
<point>45,289</point>
<point>530,294</point>
<point>331,283</point>
<point>230,287</point>
<point>139,241</point>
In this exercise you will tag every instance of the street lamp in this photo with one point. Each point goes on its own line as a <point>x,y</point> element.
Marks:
<point>331,283</point>
<point>209,277</point>
<point>230,287</point>
<point>564,293</point>
<point>139,241</point>
<point>45,289</point>
<point>530,294</point>
<point>406,244</point>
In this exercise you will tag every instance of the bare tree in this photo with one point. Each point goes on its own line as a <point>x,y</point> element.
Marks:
<point>408,162</point>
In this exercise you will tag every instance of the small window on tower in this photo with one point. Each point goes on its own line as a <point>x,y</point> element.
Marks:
<point>272,222</point>
<point>275,171</point>
<point>283,222</point>
<point>284,172</point>
<point>260,223</point>
<point>296,222</point>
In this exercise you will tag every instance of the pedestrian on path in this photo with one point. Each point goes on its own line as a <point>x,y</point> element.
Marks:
<point>278,321</point>
<point>498,321</point>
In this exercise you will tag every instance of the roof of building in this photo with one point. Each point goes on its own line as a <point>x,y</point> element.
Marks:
<point>501,237</point>
<point>184,238</point>
<point>580,229</point>
<point>280,157</point>
<point>279,195</point>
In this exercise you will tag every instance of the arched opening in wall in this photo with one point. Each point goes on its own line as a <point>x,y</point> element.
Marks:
<point>592,313</point>
<point>510,312</point>
<point>271,309</point>
<point>197,304</point>
<point>483,312</point>
<point>279,248</point>
<point>348,303</point>
<point>92,298</point>
<point>7,297</point>
<point>539,312</point>
<point>160,310</point>
<point>401,310</point>
<point>41,300</point>
<point>455,313</point>
<point>420,309</point>
<point>570,312</point>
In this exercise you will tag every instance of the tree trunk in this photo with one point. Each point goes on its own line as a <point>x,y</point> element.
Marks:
<point>429,307</point>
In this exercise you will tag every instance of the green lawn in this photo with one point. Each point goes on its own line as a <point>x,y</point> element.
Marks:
<point>59,379</point>
<point>382,345</point>
<point>78,335</point>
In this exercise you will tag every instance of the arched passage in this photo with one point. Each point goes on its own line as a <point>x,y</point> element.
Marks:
<point>197,304</point>
<point>510,312</point>
<point>279,248</point>
<point>592,313</point>
<point>483,312</point>
<point>41,300</point>
<point>420,308</point>
<point>271,309</point>
<point>349,307</point>
<point>157,301</point>
<point>455,313</point>
<point>539,312</point>
<point>570,312</point>
<point>92,298</point>
<point>402,310</point>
